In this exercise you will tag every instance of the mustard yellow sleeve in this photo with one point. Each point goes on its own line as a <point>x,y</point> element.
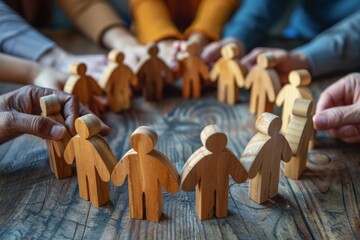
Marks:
<point>152,21</point>
<point>211,16</point>
<point>92,17</point>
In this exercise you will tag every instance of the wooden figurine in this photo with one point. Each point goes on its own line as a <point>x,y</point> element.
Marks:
<point>51,108</point>
<point>83,86</point>
<point>94,160</point>
<point>193,71</point>
<point>152,73</point>
<point>264,83</point>
<point>208,169</point>
<point>297,88</point>
<point>116,81</point>
<point>299,134</point>
<point>230,74</point>
<point>147,170</point>
<point>262,155</point>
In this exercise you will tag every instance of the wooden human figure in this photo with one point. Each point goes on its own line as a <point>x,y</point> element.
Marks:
<point>230,74</point>
<point>116,81</point>
<point>296,88</point>
<point>148,170</point>
<point>83,86</point>
<point>94,160</point>
<point>299,134</point>
<point>51,108</point>
<point>262,155</point>
<point>153,72</point>
<point>264,83</point>
<point>193,71</point>
<point>208,169</point>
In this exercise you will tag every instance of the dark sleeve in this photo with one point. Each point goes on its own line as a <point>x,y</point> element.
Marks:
<point>336,49</point>
<point>18,38</point>
<point>252,21</point>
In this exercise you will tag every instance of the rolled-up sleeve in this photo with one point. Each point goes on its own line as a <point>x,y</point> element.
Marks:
<point>18,38</point>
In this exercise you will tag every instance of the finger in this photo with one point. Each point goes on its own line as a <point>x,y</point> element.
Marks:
<point>336,117</point>
<point>332,96</point>
<point>249,60</point>
<point>42,127</point>
<point>211,52</point>
<point>351,139</point>
<point>347,131</point>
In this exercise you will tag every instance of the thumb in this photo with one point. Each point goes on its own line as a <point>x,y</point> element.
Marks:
<point>39,126</point>
<point>337,116</point>
<point>211,52</point>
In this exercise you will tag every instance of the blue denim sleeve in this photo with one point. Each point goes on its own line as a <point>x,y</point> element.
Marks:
<point>336,49</point>
<point>252,21</point>
<point>18,38</point>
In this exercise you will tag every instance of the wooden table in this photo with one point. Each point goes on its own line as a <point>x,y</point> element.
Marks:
<point>324,204</point>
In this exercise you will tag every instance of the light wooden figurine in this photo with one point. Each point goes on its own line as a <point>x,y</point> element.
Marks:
<point>230,74</point>
<point>297,88</point>
<point>193,71</point>
<point>153,73</point>
<point>148,170</point>
<point>51,108</point>
<point>116,82</point>
<point>94,160</point>
<point>83,86</point>
<point>262,155</point>
<point>264,83</point>
<point>299,134</point>
<point>208,169</point>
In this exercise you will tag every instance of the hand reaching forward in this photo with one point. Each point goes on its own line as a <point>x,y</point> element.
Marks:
<point>20,110</point>
<point>338,109</point>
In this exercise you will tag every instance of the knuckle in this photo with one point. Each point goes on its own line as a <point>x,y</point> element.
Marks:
<point>39,125</point>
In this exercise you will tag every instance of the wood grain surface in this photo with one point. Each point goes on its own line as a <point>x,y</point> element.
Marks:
<point>323,204</point>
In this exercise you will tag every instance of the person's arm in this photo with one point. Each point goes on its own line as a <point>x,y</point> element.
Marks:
<point>210,18</point>
<point>336,49</point>
<point>18,38</point>
<point>253,20</point>
<point>152,21</point>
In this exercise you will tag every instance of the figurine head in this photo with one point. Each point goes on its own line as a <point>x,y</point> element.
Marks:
<point>268,124</point>
<point>230,51</point>
<point>302,107</point>
<point>87,125</point>
<point>300,78</point>
<point>153,50</point>
<point>266,60</point>
<point>213,138</point>
<point>50,105</point>
<point>116,56</point>
<point>77,69</point>
<point>143,139</point>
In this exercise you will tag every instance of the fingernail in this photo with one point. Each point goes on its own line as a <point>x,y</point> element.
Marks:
<point>321,120</point>
<point>57,131</point>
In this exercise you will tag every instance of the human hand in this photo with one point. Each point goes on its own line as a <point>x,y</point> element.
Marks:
<point>338,109</point>
<point>119,38</point>
<point>212,51</point>
<point>19,112</point>
<point>286,61</point>
<point>60,60</point>
<point>49,78</point>
<point>167,52</point>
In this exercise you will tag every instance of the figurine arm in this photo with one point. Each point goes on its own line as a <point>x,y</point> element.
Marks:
<point>238,74</point>
<point>69,153</point>
<point>237,170</point>
<point>204,72</point>
<point>286,152</point>
<point>281,96</point>
<point>134,81</point>
<point>214,73</point>
<point>250,78</point>
<point>121,170</point>
<point>168,73</point>
<point>96,89</point>
<point>189,177</point>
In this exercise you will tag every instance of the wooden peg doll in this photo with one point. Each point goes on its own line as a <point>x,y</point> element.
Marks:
<point>193,71</point>
<point>94,160</point>
<point>299,134</point>
<point>148,170</point>
<point>83,86</point>
<point>51,108</point>
<point>230,74</point>
<point>262,155</point>
<point>152,73</point>
<point>208,169</point>
<point>116,81</point>
<point>264,83</point>
<point>297,88</point>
